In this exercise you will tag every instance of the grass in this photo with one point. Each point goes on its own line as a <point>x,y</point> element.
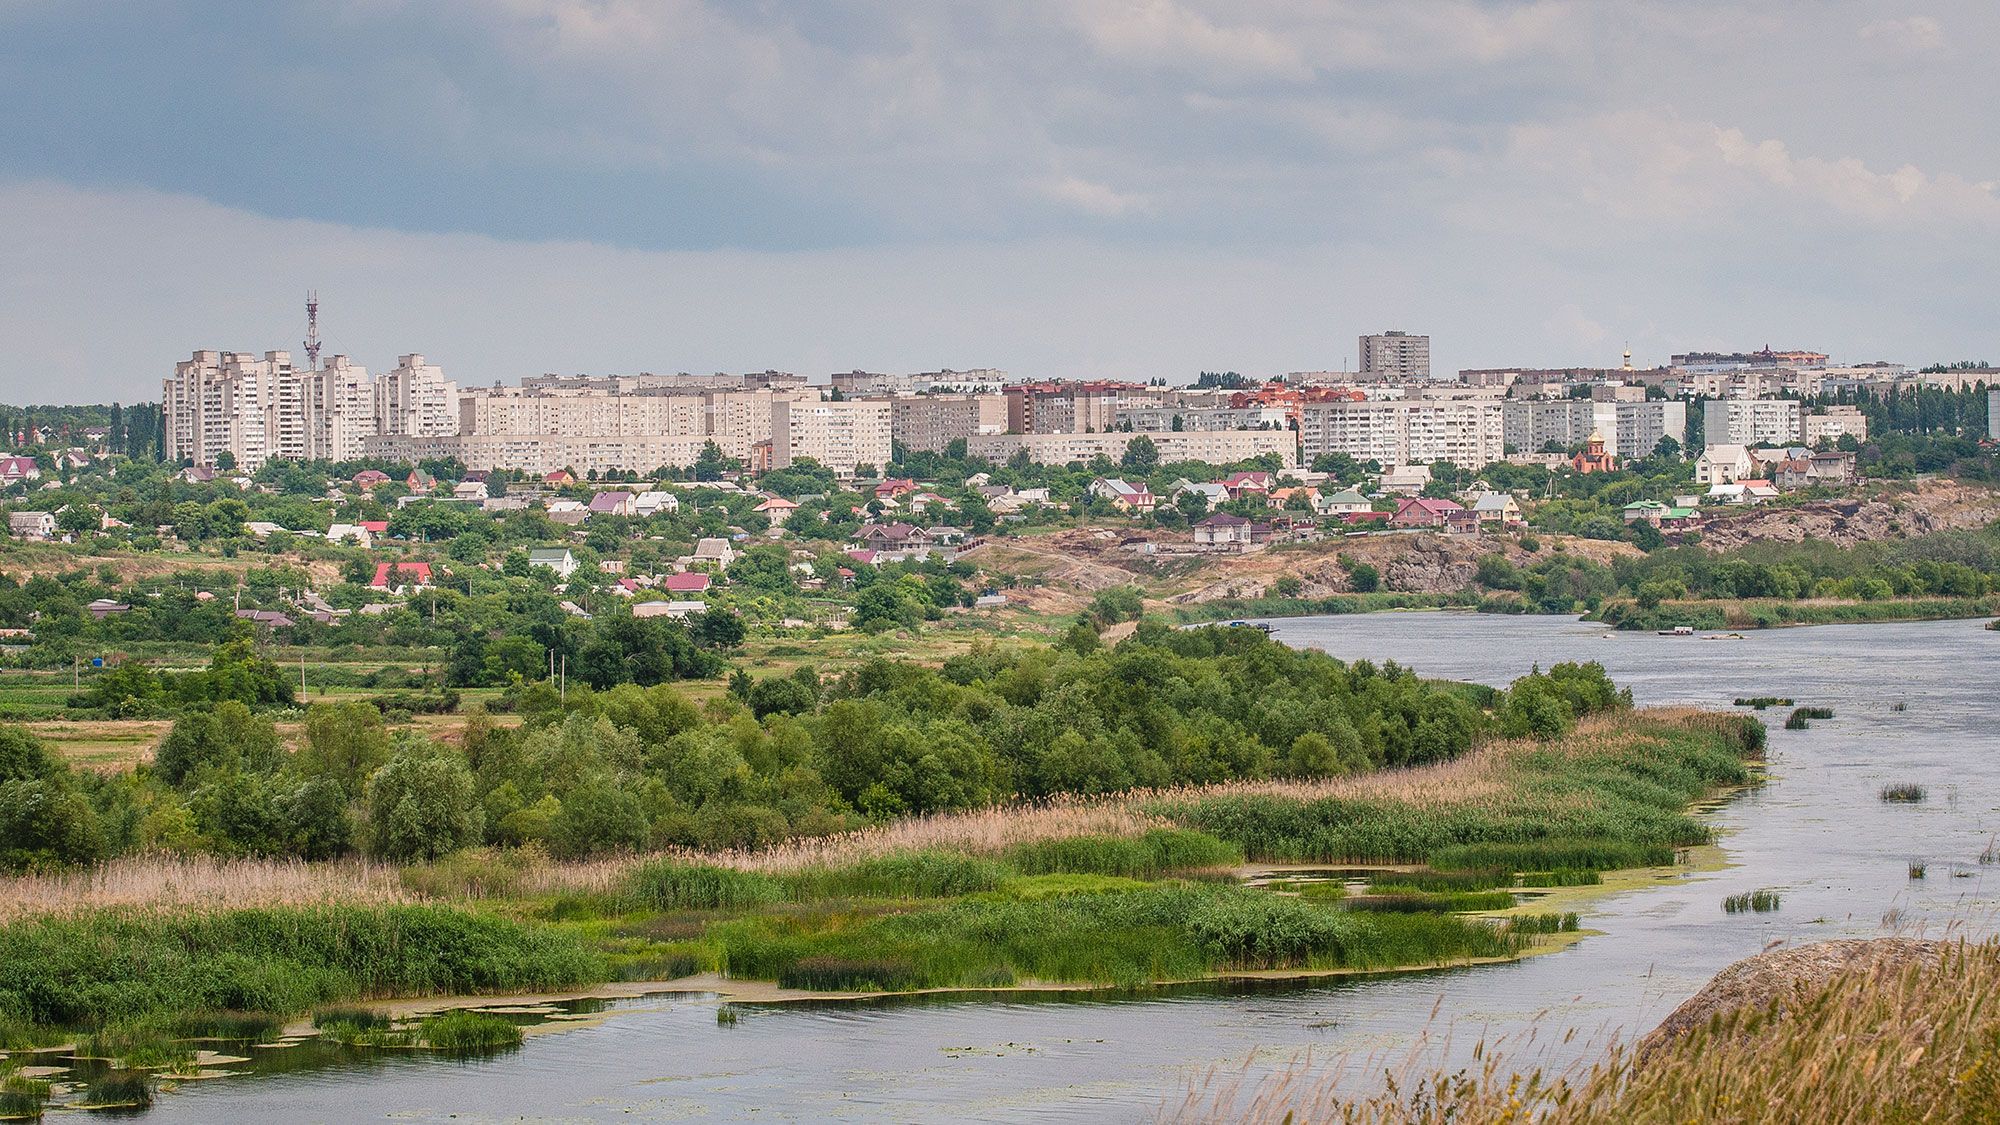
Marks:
<point>1917,869</point>
<point>1917,1042</point>
<point>468,1033</point>
<point>1757,902</point>
<point>1904,793</point>
<point>1760,702</point>
<point>117,1091</point>
<point>1802,717</point>
<point>1612,795</point>
<point>94,970</point>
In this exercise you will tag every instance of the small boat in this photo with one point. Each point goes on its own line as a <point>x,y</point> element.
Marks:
<point>1678,631</point>
<point>1723,637</point>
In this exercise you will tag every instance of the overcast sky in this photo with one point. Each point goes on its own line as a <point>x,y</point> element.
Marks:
<point>1062,188</point>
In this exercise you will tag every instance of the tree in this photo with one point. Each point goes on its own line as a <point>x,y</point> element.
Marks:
<point>77,519</point>
<point>225,460</point>
<point>1141,456</point>
<point>423,804</point>
<point>345,743</point>
<point>1363,578</point>
<point>23,757</point>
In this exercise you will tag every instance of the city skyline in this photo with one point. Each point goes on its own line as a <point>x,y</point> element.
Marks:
<point>1086,190</point>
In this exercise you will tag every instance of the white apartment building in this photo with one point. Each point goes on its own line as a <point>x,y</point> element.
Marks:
<point>1630,429</point>
<point>1222,417</point>
<point>545,453</point>
<point>257,408</point>
<point>1405,431</point>
<point>220,401</point>
<point>929,422</point>
<point>1834,423</point>
<point>1395,357</point>
<point>839,435</point>
<point>1214,447</point>
<point>415,399</point>
<point>1751,421</point>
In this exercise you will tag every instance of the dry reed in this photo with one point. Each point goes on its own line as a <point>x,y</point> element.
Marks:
<point>200,882</point>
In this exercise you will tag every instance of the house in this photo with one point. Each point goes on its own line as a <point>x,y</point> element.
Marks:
<point>676,609</point>
<point>350,532</point>
<point>611,504</point>
<point>557,559</point>
<point>1593,458</point>
<point>559,477</point>
<point>1222,531</point>
<point>891,536</point>
<point>376,528</point>
<point>989,601</point>
<point>1647,511</point>
<point>106,607</point>
<point>269,618</point>
<point>1498,509</point>
<point>1724,464</point>
<point>1406,479</point>
<point>1123,495</point>
<point>1211,491</point>
<point>1345,502</point>
<point>890,489</point>
<point>777,509</point>
<point>198,474</point>
<point>1462,521</point>
<point>654,500</point>
<point>569,513</point>
<point>1830,469</point>
<point>862,555</point>
<point>1239,485</point>
<point>261,528</point>
<point>401,576</point>
<point>1758,491</point>
<point>945,535</point>
<point>1282,497</point>
<point>470,491</point>
<point>32,525</point>
<point>16,469</point>
<point>611,566</point>
<point>420,482</point>
<point>715,552</point>
<point>371,478</point>
<point>691,582</point>
<point>1422,511</point>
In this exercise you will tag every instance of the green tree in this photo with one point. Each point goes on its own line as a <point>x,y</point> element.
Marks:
<point>423,804</point>
<point>345,744</point>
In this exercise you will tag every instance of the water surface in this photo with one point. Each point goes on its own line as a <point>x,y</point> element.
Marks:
<point>1816,832</point>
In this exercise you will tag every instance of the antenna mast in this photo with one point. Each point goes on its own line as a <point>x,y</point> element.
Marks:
<point>312,330</point>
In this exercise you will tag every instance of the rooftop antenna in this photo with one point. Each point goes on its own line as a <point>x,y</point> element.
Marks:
<point>312,330</point>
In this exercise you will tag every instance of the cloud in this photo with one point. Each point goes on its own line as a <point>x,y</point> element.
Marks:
<point>1165,33</point>
<point>1092,198</point>
<point>1915,35</point>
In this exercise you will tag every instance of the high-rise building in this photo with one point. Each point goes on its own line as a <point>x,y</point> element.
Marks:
<point>1751,421</point>
<point>415,399</point>
<point>1630,429</point>
<point>839,435</point>
<point>1395,357</point>
<point>224,402</point>
<point>1469,433</point>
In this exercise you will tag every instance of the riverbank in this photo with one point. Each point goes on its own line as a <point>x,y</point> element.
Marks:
<point>1824,1034</point>
<point>1770,613</point>
<point>1155,902</point>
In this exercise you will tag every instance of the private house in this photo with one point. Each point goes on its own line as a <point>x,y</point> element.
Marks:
<point>889,490</point>
<point>469,491</point>
<point>569,513</point>
<point>690,582</point>
<point>350,533</point>
<point>891,537</point>
<point>1240,485</point>
<point>1123,495</point>
<point>1345,502</point>
<point>267,618</point>
<point>1222,531</point>
<point>1211,491</point>
<point>1407,480</point>
<point>777,509</point>
<point>1497,509</point>
<point>611,504</point>
<point>1462,521</point>
<point>420,482</point>
<point>371,478</point>
<point>197,474</point>
<point>401,577</point>
<point>559,477</point>
<point>714,552</point>
<point>13,470</point>
<point>1724,464</point>
<point>32,525</point>
<point>654,500</point>
<point>1423,512</point>
<point>1831,469</point>
<point>558,559</point>
<point>106,607</point>
<point>674,609</point>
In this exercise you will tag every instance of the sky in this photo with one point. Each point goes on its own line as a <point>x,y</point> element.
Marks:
<point>1059,188</point>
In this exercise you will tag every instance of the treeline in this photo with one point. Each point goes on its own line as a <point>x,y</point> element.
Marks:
<point>134,430</point>
<point>634,768</point>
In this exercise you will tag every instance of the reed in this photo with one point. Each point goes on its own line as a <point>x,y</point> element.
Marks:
<point>1904,793</point>
<point>468,1033</point>
<point>1757,902</point>
<point>1917,869</point>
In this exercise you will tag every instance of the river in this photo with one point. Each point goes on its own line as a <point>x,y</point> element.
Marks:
<point>1915,702</point>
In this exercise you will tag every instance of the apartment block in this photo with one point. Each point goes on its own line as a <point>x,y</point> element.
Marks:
<point>1751,421</point>
<point>1630,429</point>
<point>1215,447</point>
<point>930,422</point>
<point>415,399</point>
<point>1183,417</point>
<point>1404,431</point>
<point>1395,357</point>
<point>838,434</point>
<point>220,402</point>
<point>1834,423</point>
<point>544,453</point>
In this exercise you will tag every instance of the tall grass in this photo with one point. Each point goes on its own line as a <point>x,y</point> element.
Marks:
<point>1879,1041</point>
<point>1904,793</point>
<point>90,970</point>
<point>1752,902</point>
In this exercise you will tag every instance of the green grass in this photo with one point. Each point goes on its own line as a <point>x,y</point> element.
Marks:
<point>1393,900</point>
<point>1752,902</point>
<point>1802,717</point>
<point>1904,793</point>
<point>1159,852</point>
<point>1572,806</point>
<point>467,1033</point>
<point>114,968</point>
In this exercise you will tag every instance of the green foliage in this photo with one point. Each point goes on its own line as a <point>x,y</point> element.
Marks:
<point>422,804</point>
<point>89,970</point>
<point>468,1033</point>
<point>1162,851</point>
<point>675,885</point>
<point>1758,902</point>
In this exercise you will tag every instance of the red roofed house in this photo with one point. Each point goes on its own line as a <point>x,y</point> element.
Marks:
<point>689,583</point>
<point>1240,483</point>
<point>1422,511</point>
<point>890,489</point>
<point>373,527</point>
<point>401,576</point>
<point>15,469</point>
<point>560,476</point>
<point>611,504</point>
<point>371,478</point>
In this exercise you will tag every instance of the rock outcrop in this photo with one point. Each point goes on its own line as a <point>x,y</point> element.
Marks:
<point>1781,975</point>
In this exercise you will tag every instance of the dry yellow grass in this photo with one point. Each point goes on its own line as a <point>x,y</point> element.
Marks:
<point>1892,1040</point>
<point>200,882</point>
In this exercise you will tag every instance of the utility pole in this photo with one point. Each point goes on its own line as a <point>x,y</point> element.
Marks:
<point>562,691</point>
